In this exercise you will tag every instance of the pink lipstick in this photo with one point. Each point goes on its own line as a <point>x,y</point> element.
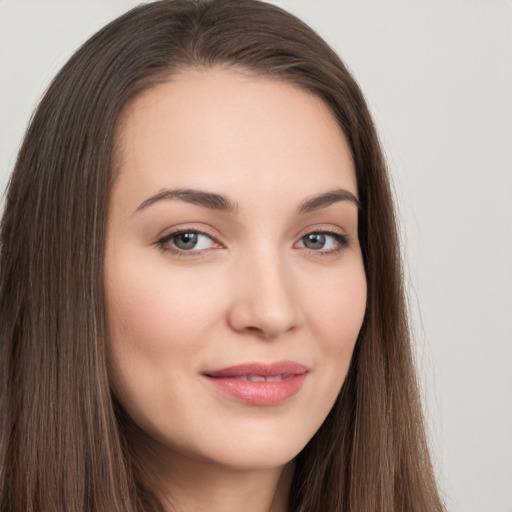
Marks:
<point>259,383</point>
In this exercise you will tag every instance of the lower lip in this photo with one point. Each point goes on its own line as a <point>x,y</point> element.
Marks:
<point>258,393</point>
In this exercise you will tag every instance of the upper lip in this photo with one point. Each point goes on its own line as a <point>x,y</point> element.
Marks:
<point>262,369</point>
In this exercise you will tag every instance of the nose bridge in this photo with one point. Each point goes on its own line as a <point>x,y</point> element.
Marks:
<point>265,302</point>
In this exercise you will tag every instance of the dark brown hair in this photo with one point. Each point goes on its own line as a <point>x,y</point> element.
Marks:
<point>63,443</point>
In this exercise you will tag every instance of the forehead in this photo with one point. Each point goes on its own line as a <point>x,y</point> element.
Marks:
<point>224,128</point>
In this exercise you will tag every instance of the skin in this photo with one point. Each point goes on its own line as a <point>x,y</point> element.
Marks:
<point>253,289</point>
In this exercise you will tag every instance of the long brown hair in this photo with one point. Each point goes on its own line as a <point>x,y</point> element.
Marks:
<point>63,444</point>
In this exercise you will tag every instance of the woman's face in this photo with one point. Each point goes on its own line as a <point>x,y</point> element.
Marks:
<point>234,280</point>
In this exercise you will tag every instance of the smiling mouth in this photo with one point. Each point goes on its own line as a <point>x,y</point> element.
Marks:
<point>259,383</point>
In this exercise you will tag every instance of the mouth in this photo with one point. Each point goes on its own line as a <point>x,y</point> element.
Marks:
<point>259,383</point>
<point>261,378</point>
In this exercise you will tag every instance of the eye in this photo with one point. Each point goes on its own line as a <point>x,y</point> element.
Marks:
<point>187,241</point>
<point>323,241</point>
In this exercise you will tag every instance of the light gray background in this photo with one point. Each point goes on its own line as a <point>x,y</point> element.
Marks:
<point>438,78</point>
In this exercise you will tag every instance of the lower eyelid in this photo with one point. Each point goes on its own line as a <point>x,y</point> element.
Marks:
<point>165,242</point>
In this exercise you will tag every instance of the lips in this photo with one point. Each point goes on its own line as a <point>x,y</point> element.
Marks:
<point>259,383</point>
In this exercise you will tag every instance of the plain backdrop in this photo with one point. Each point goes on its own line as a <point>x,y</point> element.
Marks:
<point>438,78</point>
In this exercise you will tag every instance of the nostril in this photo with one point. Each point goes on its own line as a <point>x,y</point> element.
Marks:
<point>266,307</point>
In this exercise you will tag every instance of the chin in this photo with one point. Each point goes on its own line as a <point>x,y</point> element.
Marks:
<point>240,449</point>
<point>251,459</point>
<point>254,449</point>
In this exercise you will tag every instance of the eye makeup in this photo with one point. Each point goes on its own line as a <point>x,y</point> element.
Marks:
<point>322,242</point>
<point>193,242</point>
<point>187,242</point>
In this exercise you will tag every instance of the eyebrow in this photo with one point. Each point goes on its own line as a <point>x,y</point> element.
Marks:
<point>208,200</point>
<point>324,200</point>
<point>219,202</point>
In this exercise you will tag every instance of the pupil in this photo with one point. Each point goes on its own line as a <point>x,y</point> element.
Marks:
<point>314,241</point>
<point>186,240</point>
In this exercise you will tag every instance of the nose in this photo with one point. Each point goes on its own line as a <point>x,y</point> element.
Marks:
<point>264,299</point>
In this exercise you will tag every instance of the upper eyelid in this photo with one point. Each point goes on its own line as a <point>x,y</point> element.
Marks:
<point>163,243</point>
<point>342,238</point>
<point>217,237</point>
<point>324,232</point>
<point>166,238</point>
<point>299,235</point>
<point>321,228</point>
<point>177,231</point>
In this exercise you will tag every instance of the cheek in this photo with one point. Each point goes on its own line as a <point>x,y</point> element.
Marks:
<point>157,324</point>
<point>336,310</point>
<point>151,313</point>
<point>335,316</point>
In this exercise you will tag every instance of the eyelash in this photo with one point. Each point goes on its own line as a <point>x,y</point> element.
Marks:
<point>163,243</point>
<point>341,240</point>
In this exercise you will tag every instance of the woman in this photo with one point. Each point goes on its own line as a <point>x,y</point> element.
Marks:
<point>201,298</point>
